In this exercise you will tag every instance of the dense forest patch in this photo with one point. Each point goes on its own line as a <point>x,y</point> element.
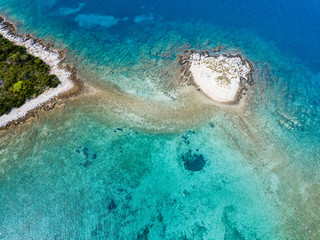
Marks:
<point>22,76</point>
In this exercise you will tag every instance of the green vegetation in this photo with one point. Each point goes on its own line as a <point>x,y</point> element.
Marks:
<point>22,76</point>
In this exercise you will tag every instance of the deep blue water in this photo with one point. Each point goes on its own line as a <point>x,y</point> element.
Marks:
<point>123,162</point>
<point>293,26</point>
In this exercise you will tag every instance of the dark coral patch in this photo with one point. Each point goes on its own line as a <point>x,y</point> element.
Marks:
<point>193,162</point>
<point>119,130</point>
<point>112,205</point>
<point>86,164</point>
<point>187,135</point>
<point>86,156</point>
<point>86,151</point>
<point>231,230</point>
<point>143,235</point>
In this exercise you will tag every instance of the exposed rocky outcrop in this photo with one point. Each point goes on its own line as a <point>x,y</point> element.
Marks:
<point>222,77</point>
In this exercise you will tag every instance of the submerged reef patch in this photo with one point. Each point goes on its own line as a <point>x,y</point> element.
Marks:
<point>231,231</point>
<point>85,153</point>
<point>193,162</point>
<point>143,235</point>
<point>112,205</point>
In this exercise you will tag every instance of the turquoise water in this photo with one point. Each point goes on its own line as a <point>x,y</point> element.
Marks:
<point>115,164</point>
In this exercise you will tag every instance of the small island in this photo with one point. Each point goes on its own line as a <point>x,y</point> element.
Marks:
<point>31,74</point>
<point>222,77</point>
<point>22,76</point>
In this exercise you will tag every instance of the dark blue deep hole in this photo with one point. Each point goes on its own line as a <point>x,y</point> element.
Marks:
<point>193,162</point>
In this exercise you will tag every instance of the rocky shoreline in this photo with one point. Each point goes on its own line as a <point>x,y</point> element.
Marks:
<point>193,57</point>
<point>54,58</point>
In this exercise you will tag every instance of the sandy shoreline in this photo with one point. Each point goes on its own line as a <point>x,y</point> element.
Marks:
<point>50,57</point>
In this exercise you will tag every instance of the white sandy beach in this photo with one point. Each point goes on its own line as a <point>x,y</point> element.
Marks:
<point>51,58</point>
<point>219,77</point>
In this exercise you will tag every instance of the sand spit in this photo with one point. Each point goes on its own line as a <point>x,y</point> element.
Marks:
<point>51,57</point>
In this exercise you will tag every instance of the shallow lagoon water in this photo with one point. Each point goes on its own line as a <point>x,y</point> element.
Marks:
<point>112,164</point>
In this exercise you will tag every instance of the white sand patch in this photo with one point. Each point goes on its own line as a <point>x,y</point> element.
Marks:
<point>51,58</point>
<point>219,76</point>
<point>89,20</point>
